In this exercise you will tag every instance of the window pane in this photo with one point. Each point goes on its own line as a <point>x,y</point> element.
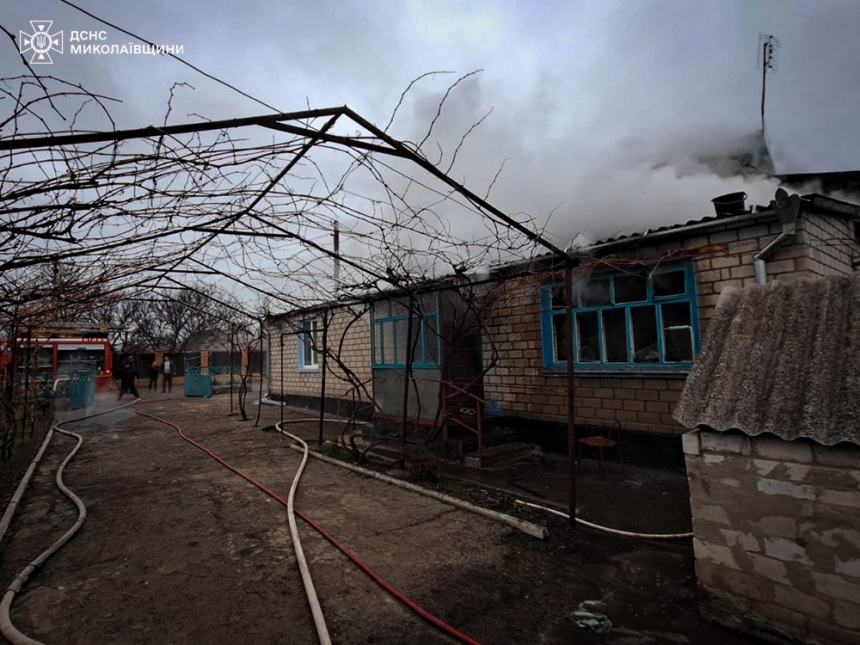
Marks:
<point>559,337</point>
<point>398,308</point>
<point>418,334</point>
<point>381,309</point>
<point>671,283</point>
<point>305,327</point>
<point>431,340</point>
<point>580,283</point>
<point>631,288</point>
<point>426,303</point>
<point>586,337</point>
<point>415,344</point>
<point>615,335</point>
<point>676,315</point>
<point>678,346</point>
<point>388,347</point>
<point>308,350</point>
<point>596,293</point>
<point>400,341</point>
<point>378,343</point>
<point>677,333</point>
<point>644,321</point>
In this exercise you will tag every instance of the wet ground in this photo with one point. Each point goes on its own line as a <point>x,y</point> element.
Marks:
<point>177,549</point>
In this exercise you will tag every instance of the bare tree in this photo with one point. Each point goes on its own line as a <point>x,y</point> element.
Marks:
<point>108,224</point>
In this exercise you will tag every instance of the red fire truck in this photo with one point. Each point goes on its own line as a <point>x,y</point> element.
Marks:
<point>60,354</point>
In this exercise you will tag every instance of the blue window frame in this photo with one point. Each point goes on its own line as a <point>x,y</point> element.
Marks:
<point>308,345</point>
<point>389,325</point>
<point>636,319</point>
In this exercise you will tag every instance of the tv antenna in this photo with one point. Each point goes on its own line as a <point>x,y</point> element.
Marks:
<point>767,46</point>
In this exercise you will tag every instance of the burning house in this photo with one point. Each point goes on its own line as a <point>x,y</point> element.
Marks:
<point>642,304</point>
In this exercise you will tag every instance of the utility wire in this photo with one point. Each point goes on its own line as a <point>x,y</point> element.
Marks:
<point>173,56</point>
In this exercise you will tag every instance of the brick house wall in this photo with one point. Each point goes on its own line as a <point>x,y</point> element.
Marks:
<point>722,257</point>
<point>832,245</point>
<point>351,343</point>
<point>777,534</point>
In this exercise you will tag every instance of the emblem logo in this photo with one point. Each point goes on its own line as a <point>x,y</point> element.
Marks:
<point>41,42</point>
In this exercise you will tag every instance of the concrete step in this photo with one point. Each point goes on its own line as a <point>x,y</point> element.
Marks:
<point>502,453</point>
<point>461,442</point>
<point>492,436</point>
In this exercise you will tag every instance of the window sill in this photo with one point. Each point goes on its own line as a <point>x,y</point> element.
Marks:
<point>680,373</point>
<point>310,368</point>
<point>403,367</point>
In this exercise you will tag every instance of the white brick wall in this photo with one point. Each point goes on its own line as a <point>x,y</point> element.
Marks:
<point>726,260</point>
<point>831,245</point>
<point>777,534</point>
<point>350,343</point>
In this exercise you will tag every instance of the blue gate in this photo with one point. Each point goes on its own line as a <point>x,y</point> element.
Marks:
<point>198,379</point>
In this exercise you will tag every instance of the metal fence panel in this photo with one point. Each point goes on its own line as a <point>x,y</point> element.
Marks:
<point>198,384</point>
<point>198,380</point>
<point>82,389</point>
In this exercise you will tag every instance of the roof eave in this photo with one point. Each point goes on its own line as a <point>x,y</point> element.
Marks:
<point>679,232</point>
<point>822,203</point>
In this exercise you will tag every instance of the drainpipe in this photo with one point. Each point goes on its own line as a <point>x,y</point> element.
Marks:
<point>787,208</point>
<point>761,256</point>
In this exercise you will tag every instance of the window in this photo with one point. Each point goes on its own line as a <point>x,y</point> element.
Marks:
<point>624,319</point>
<point>309,344</point>
<point>390,324</point>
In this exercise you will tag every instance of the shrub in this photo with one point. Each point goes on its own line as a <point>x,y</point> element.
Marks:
<point>421,464</point>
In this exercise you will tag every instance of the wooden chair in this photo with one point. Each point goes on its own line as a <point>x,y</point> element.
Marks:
<point>601,443</point>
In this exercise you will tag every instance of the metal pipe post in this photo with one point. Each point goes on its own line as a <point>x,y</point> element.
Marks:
<point>406,380</point>
<point>571,389</point>
<point>324,368</point>
<point>232,331</point>
<point>282,379</point>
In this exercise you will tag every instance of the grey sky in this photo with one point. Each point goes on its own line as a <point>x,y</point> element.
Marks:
<point>587,97</point>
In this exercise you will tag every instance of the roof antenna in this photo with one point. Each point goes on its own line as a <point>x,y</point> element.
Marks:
<point>767,45</point>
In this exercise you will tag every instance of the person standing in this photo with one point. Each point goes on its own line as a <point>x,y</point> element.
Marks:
<point>153,376</point>
<point>167,370</point>
<point>127,382</point>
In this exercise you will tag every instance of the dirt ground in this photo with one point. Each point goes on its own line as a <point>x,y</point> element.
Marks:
<point>177,549</point>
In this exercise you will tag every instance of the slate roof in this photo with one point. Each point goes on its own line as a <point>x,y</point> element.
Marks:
<point>814,201</point>
<point>671,227</point>
<point>784,359</point>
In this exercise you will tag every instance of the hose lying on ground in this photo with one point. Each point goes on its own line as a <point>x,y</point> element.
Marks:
<point>6,627</point>
<point>307,582</point>
<point>606,529</point>
<point>358,562</point>
<point>313,601</point>
<point>535,530</point>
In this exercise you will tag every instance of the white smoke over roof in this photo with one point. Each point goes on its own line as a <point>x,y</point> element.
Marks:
<point>571,183</point>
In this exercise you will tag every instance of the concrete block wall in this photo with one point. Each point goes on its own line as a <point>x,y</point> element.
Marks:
<point>777,534</point>
<point>354,352</point>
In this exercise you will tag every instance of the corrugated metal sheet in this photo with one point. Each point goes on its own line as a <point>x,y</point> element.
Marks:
<point>783,359</point>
